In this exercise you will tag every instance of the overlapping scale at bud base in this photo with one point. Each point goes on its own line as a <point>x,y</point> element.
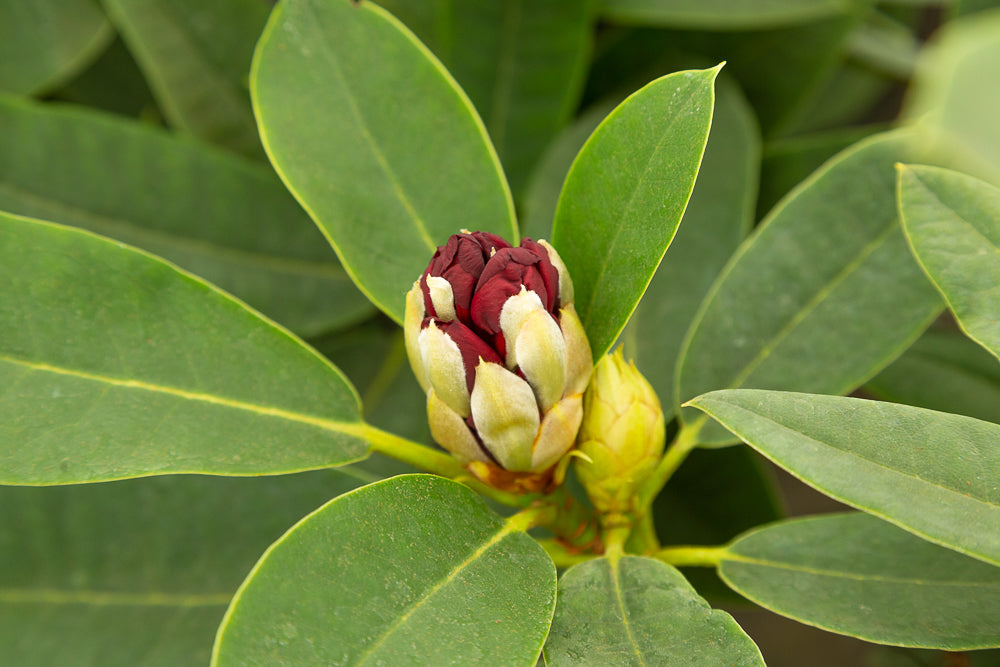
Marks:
<point>494,340</point>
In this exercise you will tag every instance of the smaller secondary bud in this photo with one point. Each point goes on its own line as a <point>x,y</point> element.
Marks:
<point>622,435</point>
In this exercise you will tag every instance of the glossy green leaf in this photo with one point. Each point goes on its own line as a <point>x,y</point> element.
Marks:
<point>951,98</point>
<point>44,42</point>
<point>823,295</point>
<point>137,572</point>
<point>412,570</point>
<point>115,364</point>
<point>639,611</point>
<point>932,473</point>
<point>789,161</point>
<point>953,224</point>
<point>625,194</point>
<point>720,14</point>
<point>857,575</point>
<point>885,45</point>
<point>717,218</point>
<point>943,371</point>
<point>962,7</point>
<point>387,182</point>
<point>229,221</point>
<point>522,64</point>
<point>196,56</point>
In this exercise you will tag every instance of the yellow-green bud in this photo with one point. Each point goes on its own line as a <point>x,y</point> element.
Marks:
<point>622,434</point>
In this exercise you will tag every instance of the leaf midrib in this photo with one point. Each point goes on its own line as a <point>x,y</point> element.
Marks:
<point>735,557</point>
<point>498,537</point>
<point>334,63</point>
<point>665,138</point>
<point>349,428</point>
<point>770,454</point>
<point>619,598</point>
<point>994,248</point>
<point>102,222</point>
<point>166,93</point>
<point>58,596</point>
<point>817,299</point>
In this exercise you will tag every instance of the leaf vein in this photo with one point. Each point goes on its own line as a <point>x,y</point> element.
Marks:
<point>810,306</point>
<point>350,428</point>
<point>430,592</point>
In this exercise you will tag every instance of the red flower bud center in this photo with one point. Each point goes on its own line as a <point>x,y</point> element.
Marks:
<point>484,271</point>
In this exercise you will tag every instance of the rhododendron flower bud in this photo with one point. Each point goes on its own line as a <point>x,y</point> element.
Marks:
<point>494,340</point>
<point>622,436</point>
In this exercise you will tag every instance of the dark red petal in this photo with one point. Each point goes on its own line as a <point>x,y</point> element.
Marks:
<point>489,241</point>
<point>548,272</point>
<point>462,284</point>
<point>503,277</point>
<point>492,294</point>
<point>472,348</point>
<point>461,262</point>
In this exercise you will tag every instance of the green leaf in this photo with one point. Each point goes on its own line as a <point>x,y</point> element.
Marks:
<point>950,99</point>
<point>789,161</point>
<point>953,224</point>
<point>221,217</point>
<point>823,295</point>
<point>45,42</point>
<point>885,45</point>
<point>943,371</point>
<point>522,64</point>
<point>140,571</point>
<point>412,570</point>
<point>859,576</point>
<point>387,182</point>
<point>720,14</point>
<point>932,473</point>
<point>639,611</point>
<point>962,7</point>
<point>717,218</point>
<point>625,194</point>
<point>196,57</point>
<point>115,364</point>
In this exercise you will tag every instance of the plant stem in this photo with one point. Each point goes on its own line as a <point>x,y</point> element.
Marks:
<point>614,541</point>
<point>562,556</point>
<point>529,517</point>
<point>574,524</point>
<point>691,556</point>
<point>643,539</point>
<point>434,461</point>
<point>414,453</point>
<point>684,442</point>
